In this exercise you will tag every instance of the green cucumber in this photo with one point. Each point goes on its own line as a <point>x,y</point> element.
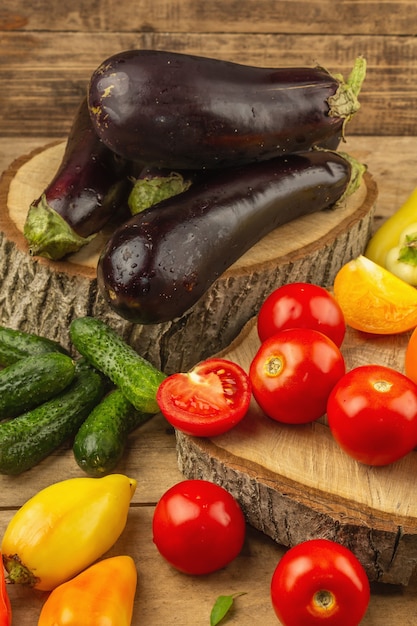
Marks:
<point>30,437</point>
<point>100,442</point>
<point>17,344</point>
<point>108,352</point>
<point>32,381</point>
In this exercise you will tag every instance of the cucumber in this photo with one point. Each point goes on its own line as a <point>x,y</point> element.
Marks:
<point>30,437</point>
<point>108,352</point>
<point>17,344</point>
<point>32,381</point>
<point>100,442</point>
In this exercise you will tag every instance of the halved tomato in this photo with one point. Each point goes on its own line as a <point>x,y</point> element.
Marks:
<point>208,400</point>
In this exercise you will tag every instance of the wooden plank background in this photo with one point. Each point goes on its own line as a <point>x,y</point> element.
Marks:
<point>49,49</point>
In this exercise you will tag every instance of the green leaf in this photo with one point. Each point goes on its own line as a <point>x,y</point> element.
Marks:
<point>221,607</point>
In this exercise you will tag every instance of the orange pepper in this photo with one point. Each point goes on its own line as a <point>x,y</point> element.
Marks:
<point>103,593</point>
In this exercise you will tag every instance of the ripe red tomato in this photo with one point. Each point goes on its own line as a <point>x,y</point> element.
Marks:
<point>319,582</point>
<point>293,373</point>
<point>198,527</point>
<point>411,357</point>
<point>208,400</point>
<point>372,413</point>
<point>301,305</point>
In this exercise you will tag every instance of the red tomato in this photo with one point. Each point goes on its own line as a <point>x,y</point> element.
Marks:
<point>293,373</point>
<point>207,401</point>
<point>372,413</point>
<point>198,527</point>
<point>411,357</point>
<point>301,305</point>
<point>319,582</point>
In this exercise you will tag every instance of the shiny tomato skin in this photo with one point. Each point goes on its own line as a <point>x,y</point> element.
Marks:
<point>304,305</point>
<point>411,357</point>
<point>319,582</point>
<point>372,414</point>
<point>198,527</point>
<point>293,373</point>
<point>208,400</point>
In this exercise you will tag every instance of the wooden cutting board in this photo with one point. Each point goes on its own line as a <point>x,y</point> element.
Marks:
<point>44,296</point>
<point>295,483</point>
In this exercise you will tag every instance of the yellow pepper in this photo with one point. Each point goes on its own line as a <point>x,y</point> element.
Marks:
<point>64,528</point>
<point>103,594</point>
<point>389,248</point>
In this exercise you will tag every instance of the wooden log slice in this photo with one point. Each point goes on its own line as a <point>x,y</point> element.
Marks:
<point>295,483</point>
<point>43,296</point>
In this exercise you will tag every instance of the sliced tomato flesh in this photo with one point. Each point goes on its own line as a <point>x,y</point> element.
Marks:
<point>208,400</point>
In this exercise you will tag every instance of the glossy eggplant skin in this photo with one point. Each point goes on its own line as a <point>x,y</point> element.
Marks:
<point>91,181</point>
<point>160,263</point>
<point>182,111</point>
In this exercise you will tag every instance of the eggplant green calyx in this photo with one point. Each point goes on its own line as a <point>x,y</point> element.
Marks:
<point>345,103</point>
<point>357,172</point>
<point>149,191</point>
<point>48,234</point>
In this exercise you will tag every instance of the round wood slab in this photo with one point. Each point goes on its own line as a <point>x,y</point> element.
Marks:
<point>43,296</point>
<point>295,483</point>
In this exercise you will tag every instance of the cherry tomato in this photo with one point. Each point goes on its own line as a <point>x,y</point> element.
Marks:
<point>301,305</point>
<point>198,527</point>
<point>293,373</point>
<point>319,582</point>
<point>411,357</point>
<point>208,400</point>
<point>372,413</point>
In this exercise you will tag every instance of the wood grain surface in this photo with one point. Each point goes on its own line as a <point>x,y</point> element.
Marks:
<point>164,596</point>
<point>48,51</point>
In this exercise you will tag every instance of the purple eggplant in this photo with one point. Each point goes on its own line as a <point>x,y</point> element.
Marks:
<point>158,264</point>
<point>89,187</point>
<point>181,111</point>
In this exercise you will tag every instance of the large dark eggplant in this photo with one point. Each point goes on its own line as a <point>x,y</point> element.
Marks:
<point>159,264</point>
<point>182,111</point>
<point>89,187</point>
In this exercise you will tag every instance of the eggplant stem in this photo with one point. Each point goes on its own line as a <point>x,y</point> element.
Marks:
<point>358,169</point>
<point>48,234</point>
<point>344,103</point>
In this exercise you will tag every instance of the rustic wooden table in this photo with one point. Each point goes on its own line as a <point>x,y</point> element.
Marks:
<point>165,596</point>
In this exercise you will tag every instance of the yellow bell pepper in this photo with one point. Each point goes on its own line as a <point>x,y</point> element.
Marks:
<point>389,248</point>
<point>103,594</point>
<point>64,528</point>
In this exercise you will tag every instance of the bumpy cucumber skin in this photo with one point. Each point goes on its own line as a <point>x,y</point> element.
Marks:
<point>100,442</point>
<point>108,352</point>
<point>17,344</point>
<point>32,381</point>
<point>29,438</point>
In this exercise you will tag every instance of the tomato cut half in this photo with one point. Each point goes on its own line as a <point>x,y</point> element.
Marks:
<point>208,400</point>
